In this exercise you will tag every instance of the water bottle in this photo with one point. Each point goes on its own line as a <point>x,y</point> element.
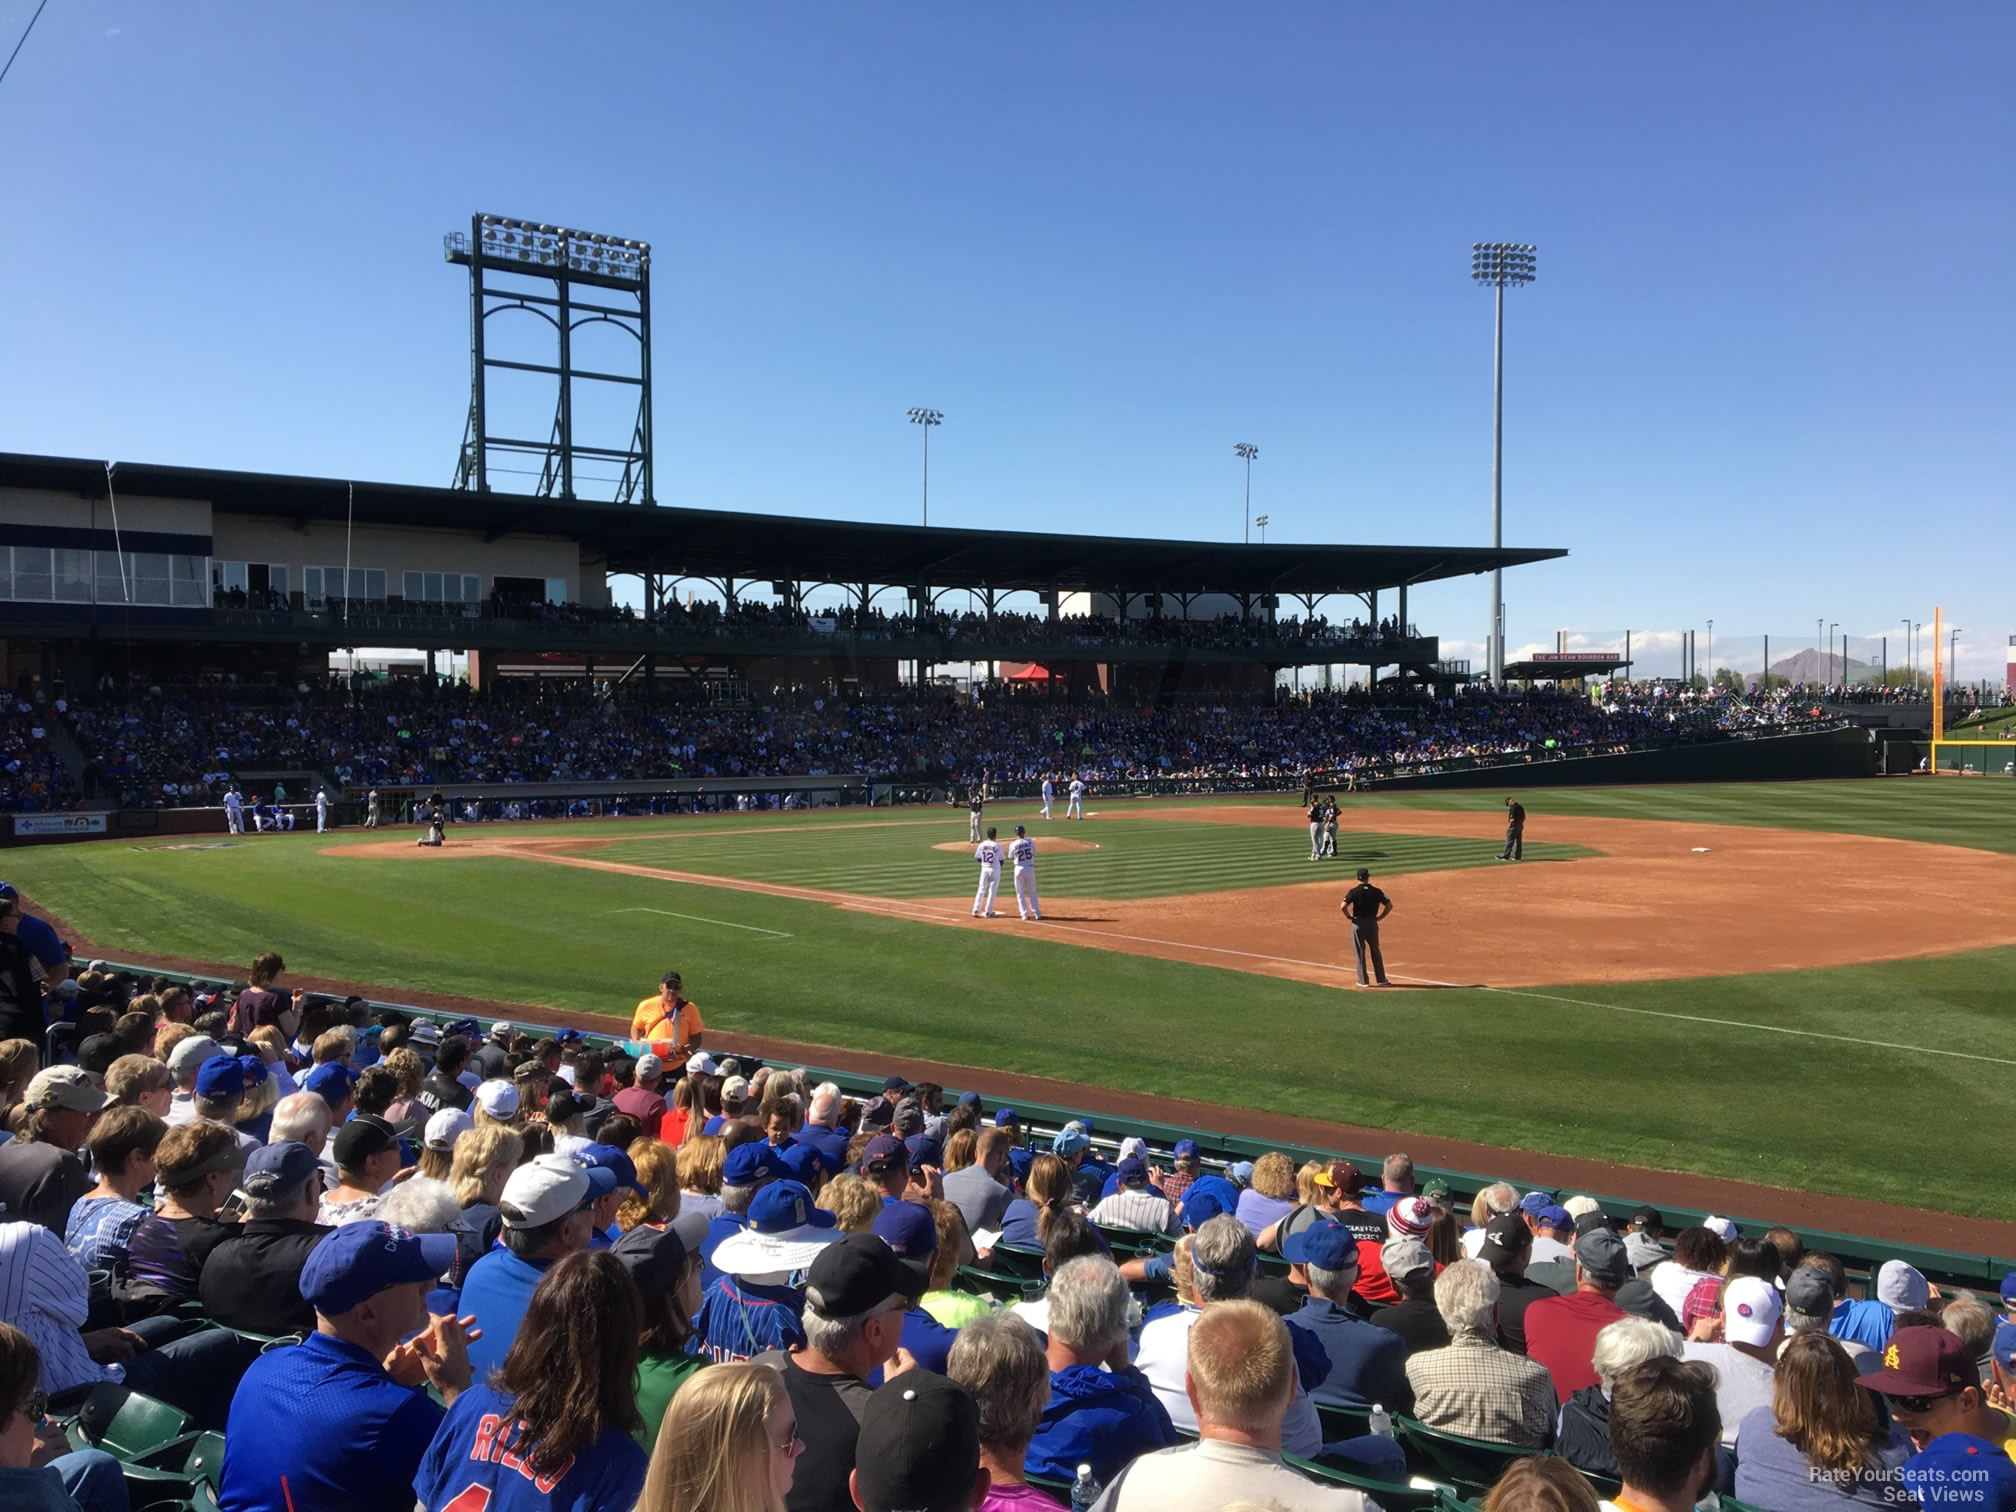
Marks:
<point>1084,1490</point>
<point>1382,1422</point>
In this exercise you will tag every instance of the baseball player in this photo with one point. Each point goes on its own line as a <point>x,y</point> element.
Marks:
<point>974,807</point>
<point>371,810</point>
<point>1365,905</point>
<point>1315,828</point>
<point>1049,792</point>
<point>321,811</point>
<point>988,854</point>
<point>234,810</point>
<point>1022,851</point>
<point>1515,831</point>
<point>1076,808</point>
<point>435,820</point>
<point>1330,826</point>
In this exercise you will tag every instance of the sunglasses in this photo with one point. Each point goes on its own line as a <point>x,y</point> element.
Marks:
<point>1918,1403</point>
<point>793,1446</point>
<point>36,1407</point>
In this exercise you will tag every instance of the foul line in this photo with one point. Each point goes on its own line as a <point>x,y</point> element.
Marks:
<point>697,919</point>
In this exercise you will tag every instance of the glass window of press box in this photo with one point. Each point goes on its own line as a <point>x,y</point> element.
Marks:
<point>68,575</point>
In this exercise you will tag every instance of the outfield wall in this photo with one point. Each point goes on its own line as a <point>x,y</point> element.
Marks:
<point>1803,757</point>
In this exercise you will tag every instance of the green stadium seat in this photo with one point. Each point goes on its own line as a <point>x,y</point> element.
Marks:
<point>1058,1491</point>
<point>1472,1464</point>
<point>1390,1497</point>
<point>137,1426</point>
<point>1344,1422</point>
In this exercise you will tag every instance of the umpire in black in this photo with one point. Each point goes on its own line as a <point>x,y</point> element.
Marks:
<point>1515,831</point>
<point>1365,906</point>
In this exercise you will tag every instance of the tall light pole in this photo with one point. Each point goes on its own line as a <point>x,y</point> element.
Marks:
<point>1917,645</point>
<point>927,418</point>
<point>1952,649</point>
<point>1907,641</point>
<point>1500,265</point>
<point>1261,521</point>
<point>1711,655</point>
<point>1832,626</point>
<point>1246,451</point>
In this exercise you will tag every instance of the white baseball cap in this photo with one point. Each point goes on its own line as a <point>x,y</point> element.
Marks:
<point>65,1087</point>
<point>447,1126</point>
<point>1750,1311</point>
<point>735,1089</point>
<point>500,1030</point>
<point>700,1063</point>
<point>1721,1228</point>
<point>190,1053</point>
<point>498,1098</point>
<point>547,1188</point>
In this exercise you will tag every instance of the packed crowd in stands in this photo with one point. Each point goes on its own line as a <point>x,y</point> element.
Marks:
<point>403,1263</point>
<point>170,748</point>
<point>33,777</point>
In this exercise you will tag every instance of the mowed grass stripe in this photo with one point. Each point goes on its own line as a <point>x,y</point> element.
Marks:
<point>1144,861</point>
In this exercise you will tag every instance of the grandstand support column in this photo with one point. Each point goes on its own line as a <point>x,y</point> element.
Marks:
<point>1402,590</point>
<point>1372,616</point>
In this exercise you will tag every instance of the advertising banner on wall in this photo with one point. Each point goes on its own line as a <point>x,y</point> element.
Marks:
<point>59,824</point>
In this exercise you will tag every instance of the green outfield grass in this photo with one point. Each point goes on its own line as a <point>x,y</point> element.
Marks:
<point>1697,1076</point>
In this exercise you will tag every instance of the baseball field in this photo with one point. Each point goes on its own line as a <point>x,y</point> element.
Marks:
<point>1805,986</point>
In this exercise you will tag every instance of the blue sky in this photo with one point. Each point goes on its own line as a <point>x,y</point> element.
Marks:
<point>1763,377</point>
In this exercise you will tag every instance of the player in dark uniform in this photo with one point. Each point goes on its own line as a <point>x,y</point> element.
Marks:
<point>1315,828</point>
<point>1365,906</point>
<point>1330,826</point>
<point>1515,831</point>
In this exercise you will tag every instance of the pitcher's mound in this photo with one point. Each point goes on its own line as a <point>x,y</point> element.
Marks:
<point>1044,847</point>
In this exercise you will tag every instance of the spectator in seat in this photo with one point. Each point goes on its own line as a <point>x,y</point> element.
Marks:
<point>197,1165</point>
<point>438,1134</point>
<point>1541,1483</point>
<point>1664,1428</point>
<point>981,1191</point>
<point>484,1161</point>
<point>122,1146</point>
<point>732,1447</point>
<point>1473,1386</point>
<point>221,1088</point>
<point>1741,1257</point>
<point>856,1295</point>
<point>1073,1145</point>
<point>1240,1377</point>
<point>752,1306</point>
<point>1415,1318</point>
<point>502,1102</point>
<point>1584,1429</point>
<point>548,1212</point>
<point>644,1098</point>
<point>367,1157</point>
<point>853,1203</point>
<point>1101,1411</point>
<point>745,1170</point>
<point>1930,1382</point>
<point>1821,1444</point>
<point>1561,1331</point>
<point>879,1114</point>
<point>1186,1169</point>
<point>1368,1364</point>
<point>1270,1196</point>
<point>140,1081</point>
<point>1644,1238</point>
<point>1396,1180</point>
<point>920,1448</point>
<point>336,1084</point>
<point>354,1387</point>
<point>700,1161</point>
<point>443,1087</point>
<point>562,1412</point>
<point>1809,1308</point>
<point>492,1058</point>
<point>31,1478</point>
<point>1743,1362</point>
<point>1498,1200</point>
<point>1508,1245</point>
<point>999,1360</point>
<point>41,1176</point>
<point>610,1158</point>
<point>822,1128</point>
<point>911,1233</point>
<point>303,1118</point>
<point>1221,1262</point>
<point>657,1170</point>
<point>665,1265</point>
<point>252,1278</point>
<point>1133,1206</point>
<point>1697,1253</point>
<point>1048,1190</point>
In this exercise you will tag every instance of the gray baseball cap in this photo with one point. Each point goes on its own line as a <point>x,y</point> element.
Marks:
<point>1405,1257</point>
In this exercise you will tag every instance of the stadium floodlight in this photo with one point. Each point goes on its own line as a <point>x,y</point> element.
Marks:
<point>1500,266</point>
<point>927,418</point>
<point>1261,521</point>
<point>1246,451</point>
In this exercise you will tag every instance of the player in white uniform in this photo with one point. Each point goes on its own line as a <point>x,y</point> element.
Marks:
<point>234,810</point>
<point>371,810</point>
<point>1076,808</point>
<point>988,854</point>
<point>321,811</point>
<point>1049,792</point>
<point>1022,851</point>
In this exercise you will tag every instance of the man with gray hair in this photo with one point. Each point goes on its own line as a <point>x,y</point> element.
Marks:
<point>1499,1198</point>
<point>1474,1387</point>
<point>1368,1364</point>
<point>1102,1411</point>
<point>822,1128</point>
<point>1221,1268</point>
<point>252,1280</point>
<point>303,1118</point>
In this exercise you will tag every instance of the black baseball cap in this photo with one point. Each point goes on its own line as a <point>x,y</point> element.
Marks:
<point>857,1275</point>
<point>1650,1217</point>
<point>1505,1238</point>
<point>361,1138</point>
<point>919,1448</point>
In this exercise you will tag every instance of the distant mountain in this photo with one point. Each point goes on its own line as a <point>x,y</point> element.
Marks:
<point>1811,666</point>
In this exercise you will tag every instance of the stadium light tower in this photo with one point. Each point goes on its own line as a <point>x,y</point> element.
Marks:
<point>1261,521</point>
<point>1832,626</point>
<point>1246,451</point>
<point>927,418</point>
<point>1500,265</point>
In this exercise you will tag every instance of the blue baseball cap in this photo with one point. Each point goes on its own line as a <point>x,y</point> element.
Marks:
<point>360,1260</point>
<point>786,1205</point>
<point>753,1164</point>
<point>804,1162</point>
<point>602,1157</point>
<point>2009,1288</point>
<point>568,1036</point>
<point>276,1168</point>
<point>1133,1171</point>
<point>908,1229</point>
<point>468,1028</point>
<point>1958,1470</point>
<point>1326,1245</point>
<point>1186,1149</point>
<point>1240,1174</point>
<point>925,1149</point>
<point>969,1099</point>
<point>1070,1141</point>
<point>1555,1216</point>
<point>255,1070</point>
<point>331,1081</point>
<point>1003,1117</point>
<point>1208,1197</point>
<point>2004,1347</point>
<point>220,1077</point>
<point>1536,1203</point>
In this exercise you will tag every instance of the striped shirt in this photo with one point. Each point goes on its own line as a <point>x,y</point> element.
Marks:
<point>46,1294</point>
<point>1134,1208</point>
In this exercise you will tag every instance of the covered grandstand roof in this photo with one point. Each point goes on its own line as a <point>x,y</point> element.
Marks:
<point>1565,664</point>
<point>723,543</point>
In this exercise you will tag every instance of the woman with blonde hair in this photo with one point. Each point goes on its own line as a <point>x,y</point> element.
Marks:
<point>961,1150</point>
<point>732,1446</point>
<point>700,1174</point>
<point>1541,1483</point>
<point>1271,1196</point>
<point>19,1061</point>
<point>955,1309</point>
<point>484,1159</point>
<point>852,1202</point>
<point>1820,1443</point>
<point>658,1173</point>
<point>1049,1191</point>
<point>406,1108</point>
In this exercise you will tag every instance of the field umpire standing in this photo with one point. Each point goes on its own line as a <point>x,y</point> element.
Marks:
<point>1515,831</point>
<point>1365,906</point>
